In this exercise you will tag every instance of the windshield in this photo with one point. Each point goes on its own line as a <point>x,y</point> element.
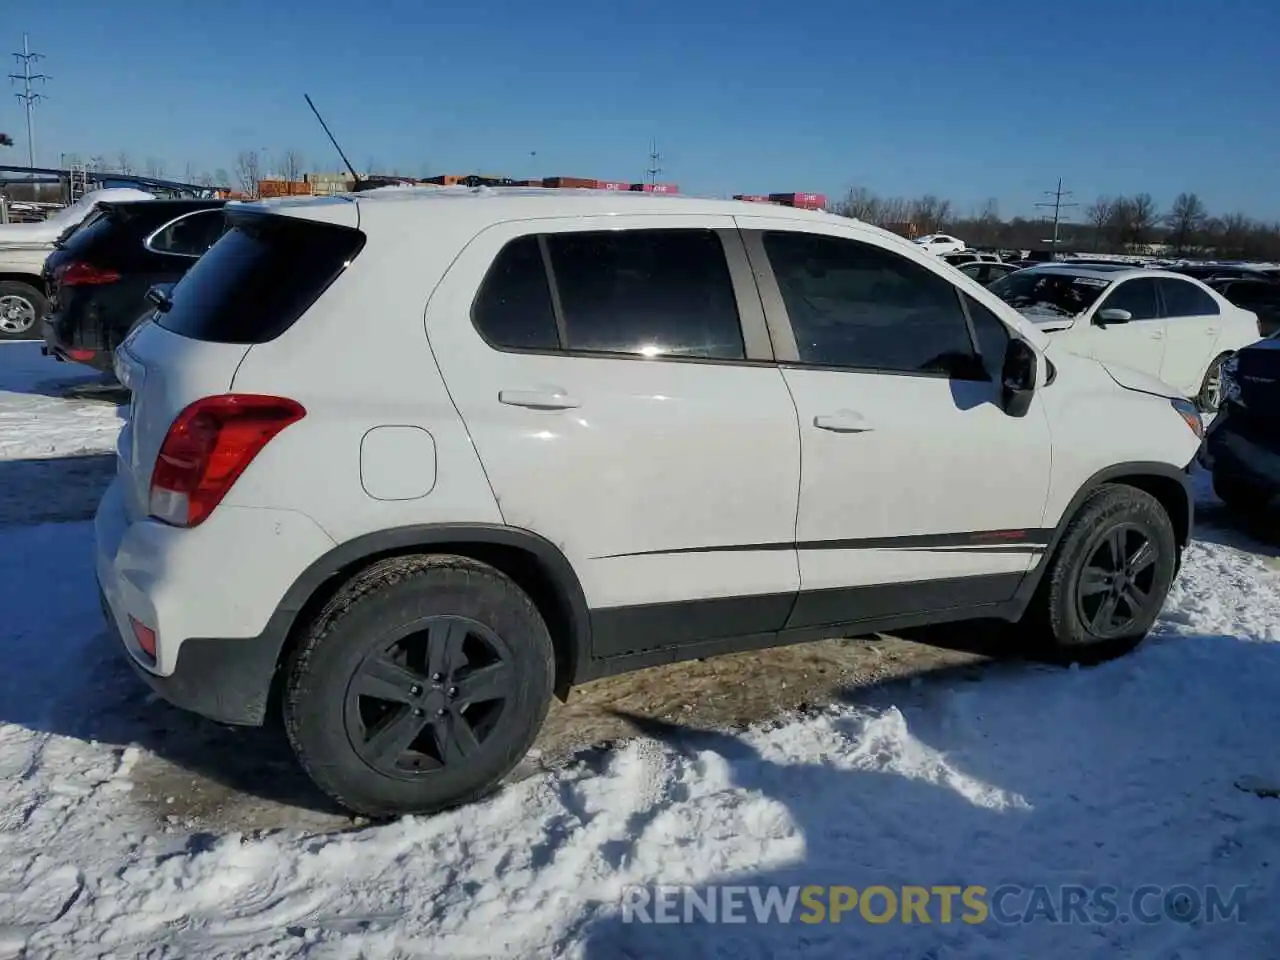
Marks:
<point>1049,294</point>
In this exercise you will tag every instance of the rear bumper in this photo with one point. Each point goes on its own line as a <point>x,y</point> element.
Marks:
<point>223,580</point>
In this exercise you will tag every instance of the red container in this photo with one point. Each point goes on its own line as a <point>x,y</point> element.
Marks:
<point>802,201</point>
<point>572,182</point>
<point>655,188</point>
<point>612,185</point>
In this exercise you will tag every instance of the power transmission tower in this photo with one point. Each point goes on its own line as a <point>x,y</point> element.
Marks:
<point>28,96</point>
<point>1058,207</point>
<point>652,171</point>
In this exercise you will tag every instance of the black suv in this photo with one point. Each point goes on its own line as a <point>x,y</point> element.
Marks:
<point>1242,445</point>
<point>1262,297</point>
<point>98,276</point>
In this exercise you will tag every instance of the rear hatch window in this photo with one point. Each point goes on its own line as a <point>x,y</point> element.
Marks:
<point>256,281</point>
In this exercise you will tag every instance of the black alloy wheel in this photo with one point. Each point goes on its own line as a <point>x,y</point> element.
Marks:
<point>429,699</point>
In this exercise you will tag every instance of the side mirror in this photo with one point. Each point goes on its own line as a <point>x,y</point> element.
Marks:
<point>1112,315</point>
<point>1018,377</point>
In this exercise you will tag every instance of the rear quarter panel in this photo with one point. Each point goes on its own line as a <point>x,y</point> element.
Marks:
<point>357,360</point>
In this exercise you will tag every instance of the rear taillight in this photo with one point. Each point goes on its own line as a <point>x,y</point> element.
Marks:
<point>80,274</point>
<point>208,446</point>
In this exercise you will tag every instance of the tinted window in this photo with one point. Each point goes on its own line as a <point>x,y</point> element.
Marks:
<point>1182,299</point>
<point>1137,296</point>
<point>191,235</point>
<point>992,334</point>
<point>513,308</point>
<point>259,278</point>
<point>648,292</point>
<point>975,270</point>
<point>855,305</point>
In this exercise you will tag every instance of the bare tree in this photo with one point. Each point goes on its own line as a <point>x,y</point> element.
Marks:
<point>1143,218</point>
<point>860,204</point>
<point>290,166</point>
<point>1119,227</point>
<point>154,167</point>
<point>203,179</point>
<point>930,214</point>
<point>1186,220</point>
<point>1099,214</point>
<point>98,163</point>
<point>189,174</point>
<point>249,171</point>
<point>221,178</point>
<point>124,164</point>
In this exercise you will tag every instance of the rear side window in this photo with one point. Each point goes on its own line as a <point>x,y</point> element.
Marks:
<point>655,293</point>
<point>259,278</point>
<point>1182,299</point>
<point>513,308</point>
<point>191,235</point>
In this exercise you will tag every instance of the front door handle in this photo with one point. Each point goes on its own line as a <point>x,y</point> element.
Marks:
<point>1157,335</point>
<point>842,421</point>
<point>538,399</point>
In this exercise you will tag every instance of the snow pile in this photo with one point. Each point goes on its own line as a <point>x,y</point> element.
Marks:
<point>1009,773</point>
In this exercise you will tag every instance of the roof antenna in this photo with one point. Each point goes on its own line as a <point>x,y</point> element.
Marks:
<point>354,175</point>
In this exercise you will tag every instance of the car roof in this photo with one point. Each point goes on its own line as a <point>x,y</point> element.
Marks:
<point>1101,271</point>
<point>483,206</point>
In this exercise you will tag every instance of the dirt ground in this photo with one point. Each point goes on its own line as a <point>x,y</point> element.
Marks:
<point>208,777</point>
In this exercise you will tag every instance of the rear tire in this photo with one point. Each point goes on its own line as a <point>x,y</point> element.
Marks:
<point>22,308</point>
<point>1108,580</point>
<point>419,686</point>
<point>1241,496</point>
<point>1210,396</point>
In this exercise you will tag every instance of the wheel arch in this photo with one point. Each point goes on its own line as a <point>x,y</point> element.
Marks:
<point>1170,486</point>
<point>535,564</point>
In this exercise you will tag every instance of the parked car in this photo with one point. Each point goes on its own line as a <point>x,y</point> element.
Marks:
<point>1262,297</point>
<point>938,243</point>
<point>969,256</point>
<point>1228,271</point>
<point>1160,323</point>
<point>1242,447</point>
<point>97,278</point>
<point>565,445</point>
<point>986,272</point>
<point>23,248</point>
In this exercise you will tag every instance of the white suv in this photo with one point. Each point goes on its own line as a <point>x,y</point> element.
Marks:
<point>405,464</point>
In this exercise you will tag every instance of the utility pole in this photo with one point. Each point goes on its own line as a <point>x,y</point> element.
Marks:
<point>651,173</point>
<point>1058,207</point>
<point>28,96</point>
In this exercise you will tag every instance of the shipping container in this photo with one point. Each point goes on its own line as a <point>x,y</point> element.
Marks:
<point>752,197</point>
<point>283,188</point>
<point>655,188</point>
<point>447,179</point>
<point>802,201</point>
<point>571,182</point>
<point>612,185</point>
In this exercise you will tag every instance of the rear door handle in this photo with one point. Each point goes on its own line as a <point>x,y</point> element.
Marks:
<point>538,399</point>
<point>1157,335</point>
<point>842,421</point>
<point>1213,331</point>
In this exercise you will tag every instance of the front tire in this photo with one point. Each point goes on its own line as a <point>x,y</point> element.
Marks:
<point>419,686</point>
<point>22,307</point>
<point>1108,580</point>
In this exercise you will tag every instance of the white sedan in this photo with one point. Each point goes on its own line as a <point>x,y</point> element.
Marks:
<point>1163,324</point>
<point>940,243</point>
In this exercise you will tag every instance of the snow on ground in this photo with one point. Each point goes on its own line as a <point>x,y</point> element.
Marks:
<point>1119,775</point>
<point>37,419</point>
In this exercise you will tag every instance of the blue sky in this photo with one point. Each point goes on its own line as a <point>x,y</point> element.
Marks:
<point>965,100</point>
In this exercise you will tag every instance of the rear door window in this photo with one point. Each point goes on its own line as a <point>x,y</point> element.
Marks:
<point>1183,299</point>
<point>513,308</point>
<point>190,235</point>
<point>652,293</point>
<point>259,278</point>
